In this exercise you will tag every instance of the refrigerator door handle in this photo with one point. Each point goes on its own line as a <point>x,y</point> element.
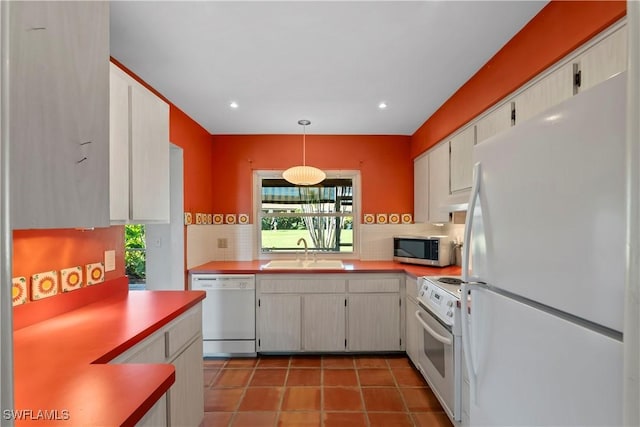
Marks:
<point>444,340</point>
<point>466,336</point>
<point>466,245</point>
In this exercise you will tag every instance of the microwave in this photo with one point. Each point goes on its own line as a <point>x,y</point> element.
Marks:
<point>432,250</point>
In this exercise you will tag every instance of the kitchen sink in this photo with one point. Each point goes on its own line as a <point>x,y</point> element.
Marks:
<point>298,264</point>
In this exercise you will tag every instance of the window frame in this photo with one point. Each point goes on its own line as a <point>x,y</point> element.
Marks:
<point>259,175</point>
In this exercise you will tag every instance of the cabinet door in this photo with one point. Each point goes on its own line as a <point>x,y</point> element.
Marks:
<point>413,339</point>
<point>494,123</point>
<point>59,101</point>
<point>551,90</point>
<point>461,163</point>
<point>119,145</point>
<point>186,398</point>
<point>156,416</point>
<point>279,323</point>
<point>604,60</point>
<point>374,322</point>
<point>421,189</point>
<point>438,183</point>
<point>323,322</point>
<point>149,156</point>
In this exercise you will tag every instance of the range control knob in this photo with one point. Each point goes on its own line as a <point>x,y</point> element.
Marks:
<point>450,313</point>
<point>421,293</point>
<point>449,303</point>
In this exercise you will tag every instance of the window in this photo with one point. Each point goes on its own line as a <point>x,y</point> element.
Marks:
<point>135,255</point>
<point>322,214</point>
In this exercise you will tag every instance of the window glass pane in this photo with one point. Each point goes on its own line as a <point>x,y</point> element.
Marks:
<point>321,214</point>
<point>323,234</point>
<point>331,196</point>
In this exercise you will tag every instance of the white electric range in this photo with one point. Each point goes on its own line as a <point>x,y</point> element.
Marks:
<point>441,358</point>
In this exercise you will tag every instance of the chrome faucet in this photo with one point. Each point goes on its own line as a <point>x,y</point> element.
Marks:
<point>306,248</point>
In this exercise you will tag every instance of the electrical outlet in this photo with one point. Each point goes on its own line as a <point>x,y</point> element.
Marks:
<point>222,243</point>
<point>109,260</point>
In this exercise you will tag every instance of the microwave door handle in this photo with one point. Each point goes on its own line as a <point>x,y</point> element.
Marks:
<point>434,334</point>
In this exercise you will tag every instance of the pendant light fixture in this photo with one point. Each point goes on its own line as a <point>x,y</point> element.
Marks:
<point>304,175</point>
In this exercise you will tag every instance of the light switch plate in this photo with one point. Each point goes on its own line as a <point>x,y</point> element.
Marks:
<point>109,260</point>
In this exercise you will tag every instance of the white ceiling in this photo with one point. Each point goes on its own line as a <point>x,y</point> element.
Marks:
<point>331,62</point>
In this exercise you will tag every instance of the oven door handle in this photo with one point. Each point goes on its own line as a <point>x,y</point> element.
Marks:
<point>434,334</point>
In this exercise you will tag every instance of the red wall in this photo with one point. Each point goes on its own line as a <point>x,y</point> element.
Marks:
<point>198,155</point>
<point>559,28</point>
<point>37,251</point>
<point>384,161</point>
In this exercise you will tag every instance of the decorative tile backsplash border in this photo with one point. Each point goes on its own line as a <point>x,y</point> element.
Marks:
<point>201,218</point>
<point>49,283</point>
<point>387,218</point>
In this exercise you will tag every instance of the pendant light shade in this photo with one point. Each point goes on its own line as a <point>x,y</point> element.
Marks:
<point>304,175</point>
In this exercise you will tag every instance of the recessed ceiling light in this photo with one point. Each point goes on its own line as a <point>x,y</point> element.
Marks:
<point>233,104</point>
<point>382,105</point>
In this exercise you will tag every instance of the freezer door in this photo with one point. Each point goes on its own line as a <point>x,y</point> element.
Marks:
<point>537,369</point>
<point>552,204</point>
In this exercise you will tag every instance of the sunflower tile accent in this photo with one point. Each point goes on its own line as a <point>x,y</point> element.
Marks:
<point>71,278</point>
<point>209,218</point>
<point>369,218</point>
<point>95,273</point>
<point>44,285</point>
<point>381,218</point>
<point>394,218</point>
<point>19,290</point>
<point>243,219</point>
<point>230,218</point>
<point>198,218</point>
<point>407,218</point>
<point>218,218</point>
<point>188,218</point>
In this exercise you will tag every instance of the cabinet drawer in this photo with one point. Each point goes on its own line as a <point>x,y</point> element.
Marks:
<point>374,285</point>
<point>183,330</point>
<point>291,286</point>
<point>151,350</point>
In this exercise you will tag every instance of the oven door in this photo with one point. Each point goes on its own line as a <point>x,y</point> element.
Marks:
<point>437,359</point>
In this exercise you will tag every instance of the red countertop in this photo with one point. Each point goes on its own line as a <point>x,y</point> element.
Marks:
<point>61,362</point>
<point>351,266</point>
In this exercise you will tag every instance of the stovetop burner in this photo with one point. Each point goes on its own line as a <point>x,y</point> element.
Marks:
<point>450,280</point>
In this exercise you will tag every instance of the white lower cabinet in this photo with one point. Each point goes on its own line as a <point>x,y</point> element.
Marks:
<point>329,313</point>
<point>156,416</point>
<point>178,343</point>
<point>374,322</point>
<point>186,399</point>
<point>278,320</point>
<point>413,340</point>
<point>323,322</point>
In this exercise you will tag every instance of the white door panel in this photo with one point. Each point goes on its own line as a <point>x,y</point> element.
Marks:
<point>553,206</point>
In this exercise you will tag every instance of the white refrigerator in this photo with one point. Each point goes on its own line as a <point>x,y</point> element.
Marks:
<point>545,247</point>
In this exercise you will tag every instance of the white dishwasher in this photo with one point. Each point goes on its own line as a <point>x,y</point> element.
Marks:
<point>228,314</point>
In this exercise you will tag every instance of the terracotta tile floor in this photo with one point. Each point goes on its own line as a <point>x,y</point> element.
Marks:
<point>310,391</point>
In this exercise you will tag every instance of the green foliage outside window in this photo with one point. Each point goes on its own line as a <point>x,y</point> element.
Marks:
<point>135,252</point>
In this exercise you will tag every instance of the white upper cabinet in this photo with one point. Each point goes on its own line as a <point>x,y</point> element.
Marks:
<point>438,183</point>
<point>421,189</point>
<point>551,90</point>
<point>59,123</point>
<point>139,152</point>
<point>603,60</point>
<point>461,159</point>
<point>495,122</point>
